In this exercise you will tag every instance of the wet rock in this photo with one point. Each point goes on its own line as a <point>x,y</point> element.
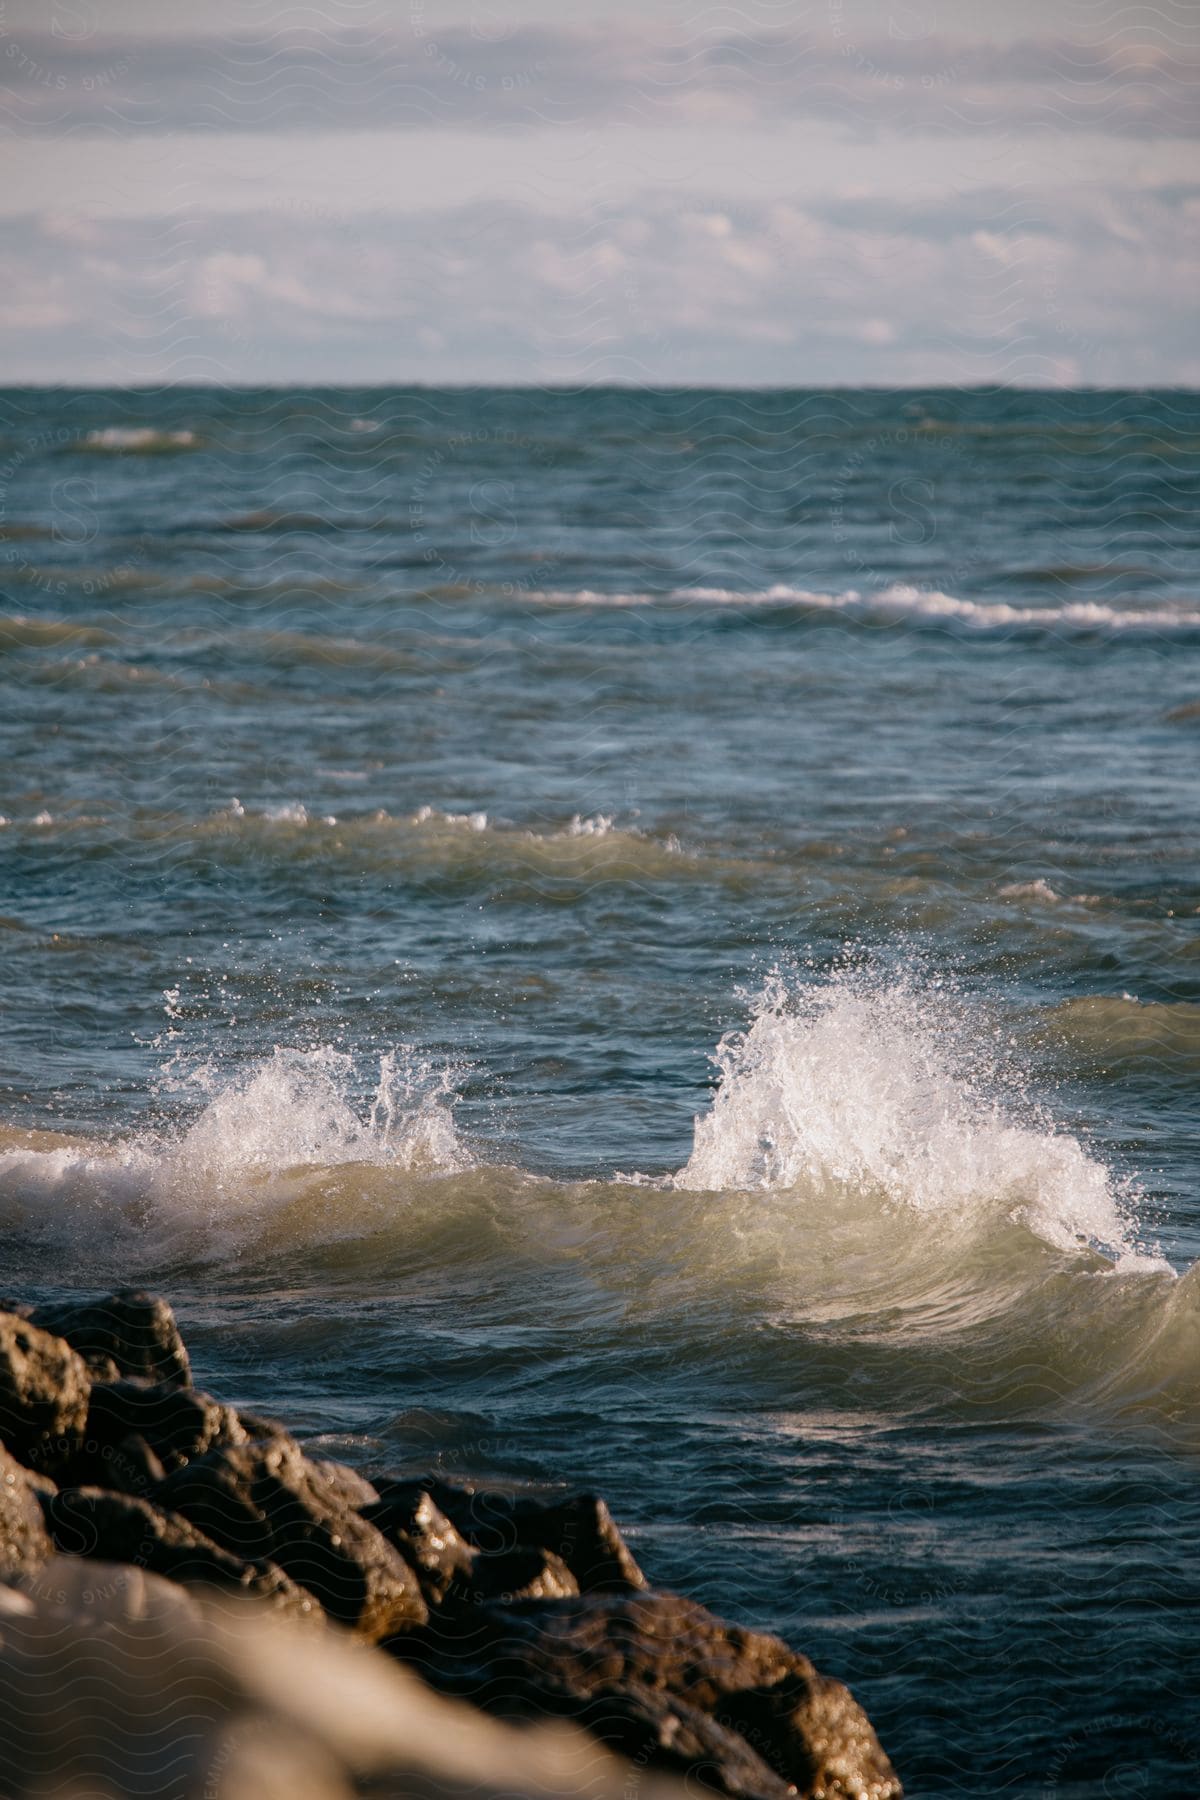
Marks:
<point>24,1542</point>
<point>578,1529</point>
<point>177,1423</point>
<point>406,1514</point>
<point>264,1501</point>
<point>44,1389</point>
<point>661,1679</point>
<point>120,1528</point>
<point>126,1333</point>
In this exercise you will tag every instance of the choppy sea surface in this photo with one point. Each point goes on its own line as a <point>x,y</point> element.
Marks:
<point>651,939</point>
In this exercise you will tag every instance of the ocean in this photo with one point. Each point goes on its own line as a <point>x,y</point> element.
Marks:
<point>651,939</point>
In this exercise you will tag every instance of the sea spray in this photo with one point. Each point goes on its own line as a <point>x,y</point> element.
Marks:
<point>874,1088</point>
<point>259,1145</point>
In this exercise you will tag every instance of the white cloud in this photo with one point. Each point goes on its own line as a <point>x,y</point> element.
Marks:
<point>993,286</point>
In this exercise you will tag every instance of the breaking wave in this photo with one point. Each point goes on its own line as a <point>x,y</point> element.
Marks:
<point>866,1090</point>
<point>870,1188</point>
<point>261,1141</point>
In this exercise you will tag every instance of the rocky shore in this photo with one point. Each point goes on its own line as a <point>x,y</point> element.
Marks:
<point>141,1519</point>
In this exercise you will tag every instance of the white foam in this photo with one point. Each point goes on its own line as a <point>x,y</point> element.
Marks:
<point>432,815</point>
<point>139,437</point>
<point>864,1090</point>
<point>903,603</point>
<point>1031,890</point>
<point>260,1139</point>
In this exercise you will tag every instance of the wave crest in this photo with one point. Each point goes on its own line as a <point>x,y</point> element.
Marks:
<point>862,1090</point>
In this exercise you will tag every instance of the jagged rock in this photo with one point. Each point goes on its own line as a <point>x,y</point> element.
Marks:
<point>24,1542</point>
<point>128,1466</point>
<point>121,1528</point>
<point>660,1678</point>
<point>526,1573</point>
<point>112,1681</point>
<point>126,1333</point>
<point>579,1529</point>
<point>408,1518</point>
<point>44,1388</point>
<point>342,1485</point>
<point>257,1425</point>
<point>264,1501</point>
<point>525,1603</point>
<point>177,1423</point>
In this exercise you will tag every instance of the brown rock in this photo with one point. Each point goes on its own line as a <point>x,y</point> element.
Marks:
<point>177,1423</point>
<point>126,1333</point>
<point>113,1681</point>
<point>24,1542</point>
<point>265,1502</point>
<point>121,1528</point>
<point>578,1528</point>
<point>526,1573</point>
<point>44,1389</point>
<point>660,1678</point>
<point>408,1518</point>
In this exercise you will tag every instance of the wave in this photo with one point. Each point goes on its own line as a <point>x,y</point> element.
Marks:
<point>137,440</point>
<point>1106,1031</point>
<point>870,1201</point>
<point>854,1089</point>
<point>470,846</point>
<point>460,850</point>
<point>902,604</point>
<point>262,1140</point>
<point>20,632</point>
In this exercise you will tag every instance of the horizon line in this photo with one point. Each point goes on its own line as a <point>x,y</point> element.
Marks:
<point>629,387</point>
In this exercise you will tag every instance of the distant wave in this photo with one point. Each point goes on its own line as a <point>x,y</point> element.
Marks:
<point>138,440</point>
<point>902,604</point>
<point>18,631</point>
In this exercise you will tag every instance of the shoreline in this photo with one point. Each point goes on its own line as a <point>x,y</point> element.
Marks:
<point>522,1603</point>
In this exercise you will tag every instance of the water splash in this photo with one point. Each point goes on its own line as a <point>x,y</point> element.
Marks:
<point>878,1092</point>
<point>296,1110</point>
<point>261,1146</point>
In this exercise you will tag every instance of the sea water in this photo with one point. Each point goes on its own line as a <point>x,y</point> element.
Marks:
<point>651,939</point>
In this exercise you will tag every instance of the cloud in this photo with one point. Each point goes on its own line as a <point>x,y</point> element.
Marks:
<point>1094,286</point>
<point>409,73</point>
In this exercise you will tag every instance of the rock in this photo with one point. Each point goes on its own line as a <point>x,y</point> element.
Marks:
<point>265,1502</point>
<point>660,1678</point>
<point>343,1485</point>
<point>579,1529</point>
<point>120,1528</point>
<point>405,1513</point>
<point>128,1466</point>
<point>177,1423</point>
<point>24,1542</point>
<point>126,1333</point>
<point>44,1388</point>
<point>257,1425</point>
<point>115,1682</point>
<point>526,1573</point>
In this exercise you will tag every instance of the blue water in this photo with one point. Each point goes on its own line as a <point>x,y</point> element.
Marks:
<point>404,794</point>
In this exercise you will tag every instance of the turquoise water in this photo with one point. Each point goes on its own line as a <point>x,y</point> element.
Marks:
<point>652,938</point>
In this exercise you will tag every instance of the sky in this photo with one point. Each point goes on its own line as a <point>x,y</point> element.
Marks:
<point>891,192</point>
